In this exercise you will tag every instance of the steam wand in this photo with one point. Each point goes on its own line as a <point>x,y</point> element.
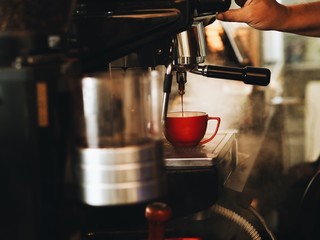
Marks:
<point>181,80</point>
<point>249,75</point>
<point>167,83</point>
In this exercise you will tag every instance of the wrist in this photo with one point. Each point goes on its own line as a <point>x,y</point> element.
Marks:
<point>301,19</point>
<point>283,18</point>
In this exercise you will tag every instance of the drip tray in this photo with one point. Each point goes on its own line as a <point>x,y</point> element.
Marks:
<point>221,152</point>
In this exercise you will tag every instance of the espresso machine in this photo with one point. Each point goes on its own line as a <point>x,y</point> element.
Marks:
<point>84,92</point>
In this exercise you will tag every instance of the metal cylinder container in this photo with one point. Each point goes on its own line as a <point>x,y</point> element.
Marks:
<point>118,157</point>
<point>190,46</point>
<point>113,176</point>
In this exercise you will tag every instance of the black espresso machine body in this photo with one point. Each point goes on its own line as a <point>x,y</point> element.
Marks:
<point>40,52</point>
<point>106,36</point>
<point>31,137</point>
<point>126,27</point>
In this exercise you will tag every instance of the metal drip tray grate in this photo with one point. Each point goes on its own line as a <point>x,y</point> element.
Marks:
<point>222,151</point>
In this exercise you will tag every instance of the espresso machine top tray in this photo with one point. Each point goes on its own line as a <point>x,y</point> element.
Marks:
<point>222,150</point>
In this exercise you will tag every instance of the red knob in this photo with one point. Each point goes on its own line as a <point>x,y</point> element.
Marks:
<point>157,214</point>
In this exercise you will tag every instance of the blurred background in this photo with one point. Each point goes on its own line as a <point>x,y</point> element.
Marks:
<point>277,126</point>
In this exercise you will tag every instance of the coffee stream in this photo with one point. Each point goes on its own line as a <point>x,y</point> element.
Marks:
<point>182,111</point>
<point>181,79</point>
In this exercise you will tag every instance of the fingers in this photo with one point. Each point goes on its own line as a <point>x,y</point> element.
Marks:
<point>240,2</point>
<point>233,15</point>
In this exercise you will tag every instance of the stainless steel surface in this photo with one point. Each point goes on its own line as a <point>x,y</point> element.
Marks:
<point>117,154</point>
<point>200,70</point>
<point>166,97</point>
<point>113,176</point>
<point>191,46</point>
<point>155,104</point>
<point>202,155</point>
<point>220,152</point>
<point>181,80</point>
<point>166,93</point>
<point>117,108</point>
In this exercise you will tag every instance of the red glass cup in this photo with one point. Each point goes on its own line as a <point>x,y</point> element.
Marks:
<point>187,128</point>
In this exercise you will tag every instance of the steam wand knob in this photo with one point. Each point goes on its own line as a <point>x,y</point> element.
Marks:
<point>157,214</point>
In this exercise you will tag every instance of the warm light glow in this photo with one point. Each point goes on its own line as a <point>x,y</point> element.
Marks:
<point>255,203</point>
<point>214,42</point>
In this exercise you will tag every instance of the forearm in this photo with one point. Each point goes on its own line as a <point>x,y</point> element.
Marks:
<point>303,19</point>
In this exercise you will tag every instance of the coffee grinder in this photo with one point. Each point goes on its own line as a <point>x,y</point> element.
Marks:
<point>32,143</point>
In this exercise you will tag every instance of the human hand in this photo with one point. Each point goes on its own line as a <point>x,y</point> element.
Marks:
<point>259,14</point>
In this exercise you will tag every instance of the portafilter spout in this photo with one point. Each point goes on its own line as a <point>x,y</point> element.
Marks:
<point>188,50</point>
<point>181,76</point>
<point>181,80</point>
<point>249,75</point>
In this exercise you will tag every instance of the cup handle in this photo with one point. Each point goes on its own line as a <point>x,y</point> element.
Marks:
<point>218,119</point>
